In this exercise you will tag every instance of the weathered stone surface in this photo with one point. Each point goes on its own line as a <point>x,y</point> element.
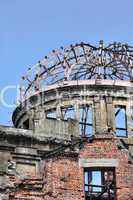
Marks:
<point>103,162</point>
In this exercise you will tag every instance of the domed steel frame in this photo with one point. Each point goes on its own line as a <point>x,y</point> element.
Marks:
<point>80,62</point>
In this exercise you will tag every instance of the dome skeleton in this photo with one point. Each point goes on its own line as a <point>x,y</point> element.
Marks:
<point>81,62</point>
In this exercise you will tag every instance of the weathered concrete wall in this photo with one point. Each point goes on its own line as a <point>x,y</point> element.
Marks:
<point>57,128</point>
<point>102,95</point>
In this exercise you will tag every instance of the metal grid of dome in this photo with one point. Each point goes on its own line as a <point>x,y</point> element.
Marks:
<point>80,62</point>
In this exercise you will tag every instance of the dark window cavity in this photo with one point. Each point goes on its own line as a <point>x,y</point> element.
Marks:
<point>26,124</point>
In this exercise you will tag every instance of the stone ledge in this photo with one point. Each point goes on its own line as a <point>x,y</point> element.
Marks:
<point>98,162</point>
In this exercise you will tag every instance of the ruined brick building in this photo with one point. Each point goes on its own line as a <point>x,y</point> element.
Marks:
<point>73,130</point>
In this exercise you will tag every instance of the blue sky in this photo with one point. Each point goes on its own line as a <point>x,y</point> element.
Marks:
<point>30,29</point>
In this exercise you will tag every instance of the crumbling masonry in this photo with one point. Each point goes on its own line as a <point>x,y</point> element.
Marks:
<point>73,130</point>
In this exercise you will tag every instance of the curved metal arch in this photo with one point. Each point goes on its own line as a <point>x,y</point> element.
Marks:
<point>81,62</point>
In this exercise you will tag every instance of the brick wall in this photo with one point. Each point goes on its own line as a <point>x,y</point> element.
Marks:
<point>64,176</point>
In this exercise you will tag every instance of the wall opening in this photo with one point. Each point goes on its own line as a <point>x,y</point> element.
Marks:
<point>51,114</point>
<point>26,124</point>
<point>86,124</point>
<point>121,121</point>
<point>99,184</point>
<point>67,113</point>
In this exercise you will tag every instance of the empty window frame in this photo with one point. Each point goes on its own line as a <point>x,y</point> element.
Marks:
<point>121,121</point>
<point>86,125</point>
<point>99,183</point>
<point>51,114</point>
<point>68,113</point>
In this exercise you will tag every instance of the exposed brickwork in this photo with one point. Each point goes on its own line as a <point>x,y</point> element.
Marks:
<point>64,180</point>
<point>124,171</point>
<point>65,177</point>
<point>60,174</point>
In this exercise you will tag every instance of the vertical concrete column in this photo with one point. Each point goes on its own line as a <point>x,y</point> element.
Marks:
<point>77,111</point>
<point>76,127</point>
<point>58,111</point>
<point>103,114</point>
<point>37,117</point>
<point>110,113</point>
<point>43,113</point>
<point>97,115</point>
<point>31,114</point>
<point>40,116</point>
<point>129,120</point>
<point>58,105</point>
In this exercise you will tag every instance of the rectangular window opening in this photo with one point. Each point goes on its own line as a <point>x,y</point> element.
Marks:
<point>86,125</point>
<point>99,183</point>
<point>68,113</point>
<point>51,114</point>
<point>121,121</point>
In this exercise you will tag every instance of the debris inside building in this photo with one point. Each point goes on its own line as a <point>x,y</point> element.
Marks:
<point>72,137</point>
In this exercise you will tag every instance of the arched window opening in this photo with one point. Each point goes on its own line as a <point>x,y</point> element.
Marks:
<point>86,125</point>
<point>121,121</point>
